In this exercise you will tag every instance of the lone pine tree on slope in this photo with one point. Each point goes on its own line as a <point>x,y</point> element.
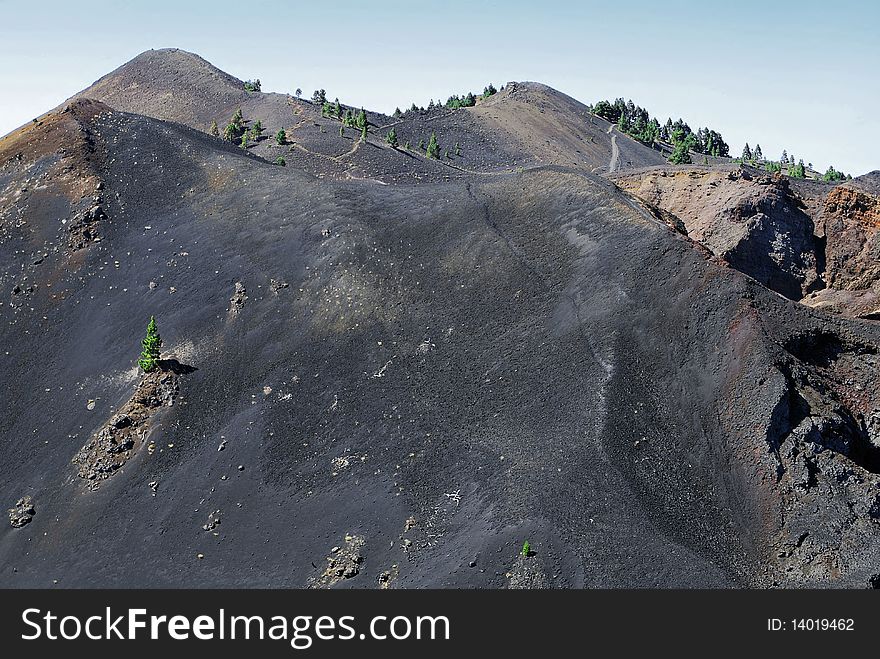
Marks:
<point>152,344</point>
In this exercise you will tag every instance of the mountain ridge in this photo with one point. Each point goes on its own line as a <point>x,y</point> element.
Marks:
<point>433,361</point>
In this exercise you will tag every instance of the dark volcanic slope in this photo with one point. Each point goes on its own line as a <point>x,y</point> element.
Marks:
<point>425,375</point>
<point>526,124</point>
<point>175,85</point>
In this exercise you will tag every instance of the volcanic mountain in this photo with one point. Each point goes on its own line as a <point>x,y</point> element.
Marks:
<point>387,370</point>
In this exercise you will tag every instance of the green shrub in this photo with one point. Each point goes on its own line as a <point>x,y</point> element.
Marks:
<point>526,549</point>
<point>281,161</point>
<point>391,138</point>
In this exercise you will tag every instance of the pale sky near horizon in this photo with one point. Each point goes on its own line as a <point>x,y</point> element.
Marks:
<point>802,76</point>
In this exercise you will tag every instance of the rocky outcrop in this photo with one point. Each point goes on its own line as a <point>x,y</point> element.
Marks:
<point>851,223</point>
<point>22,512</point>
<point>752,221</point>
<point>113,445</point>
<point>826,445</point>
<point>343,563</point>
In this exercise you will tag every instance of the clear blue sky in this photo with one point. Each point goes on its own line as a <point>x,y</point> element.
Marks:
<point>804,76</point>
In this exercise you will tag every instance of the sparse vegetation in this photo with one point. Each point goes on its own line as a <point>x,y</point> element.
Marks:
<point>832,174</point>
<point>433,148</point>
<point>468,100</point>
<point>319,97</point>
<point>364,134</point>
<point>281,161</point>
<point>526,549</point>
<point>465,101</point>
<point>773,167</point>
<point>213,130</point>
<point>281,136</point>
<point>231,132</point>
<point>457,149</point>
<point>797,171</point>
<point>636,122</point>
<point>256,131</point>
<point>151,347</point>
<point>253,85</point>
<point>342,131</point>
<point>391,138</point>
<point>244,141</point>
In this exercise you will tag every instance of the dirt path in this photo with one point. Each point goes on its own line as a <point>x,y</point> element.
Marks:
<point>615,152</point>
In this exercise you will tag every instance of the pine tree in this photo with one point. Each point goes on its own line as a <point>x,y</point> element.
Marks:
<point>214,130</point>
<point>457,149</point>
<point>364,133</point>
<point>397,113</point>
<point>319,97</point>
<point>784,158</point>
<point>362,119</point>
<point>281,136</point>
<point>797,171</point>
<point>391,138</point>
<point>238,117</point>
<point>151,344</point>
<point>230,133</point>
<point>683,142</point>
<point>244,141</point>
<point>337,110</point>
<point>433,149</point>
<point>747,152</point>
<point>758,155</point>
